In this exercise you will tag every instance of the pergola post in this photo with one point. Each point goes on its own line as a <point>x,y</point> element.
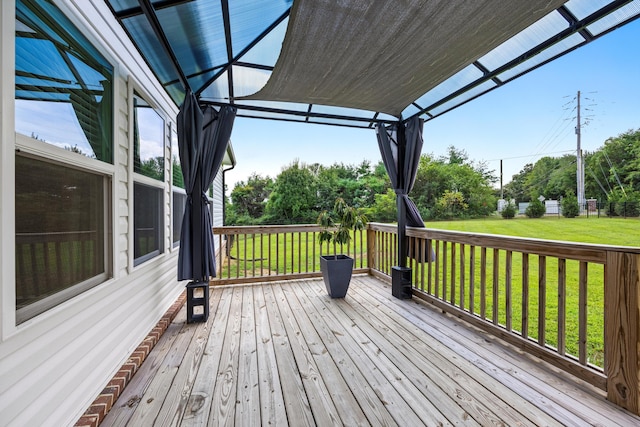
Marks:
<point>402,209</point>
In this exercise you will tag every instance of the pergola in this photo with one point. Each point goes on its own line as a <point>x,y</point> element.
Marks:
<point>384,65</point>
<point>357,62</point>
<point>360,63</point>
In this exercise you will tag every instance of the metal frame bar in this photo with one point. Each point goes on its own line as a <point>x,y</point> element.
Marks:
<point>307,113</point>
<point>575,27</point>
<point>234,60</point>
<point>150,13</point>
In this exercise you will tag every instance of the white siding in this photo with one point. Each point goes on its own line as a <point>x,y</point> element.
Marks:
<point>218,200</point>
<point>54,365</point>
<point>217,208</point>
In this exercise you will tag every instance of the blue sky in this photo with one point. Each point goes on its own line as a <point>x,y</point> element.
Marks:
<point>520,122</point>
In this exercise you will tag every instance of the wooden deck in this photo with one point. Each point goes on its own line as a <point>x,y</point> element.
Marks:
<point>283,353</point>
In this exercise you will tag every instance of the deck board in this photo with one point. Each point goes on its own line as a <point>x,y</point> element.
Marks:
<point>283,353</point>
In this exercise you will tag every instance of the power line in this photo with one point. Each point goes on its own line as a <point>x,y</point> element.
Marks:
<point>530,155</point>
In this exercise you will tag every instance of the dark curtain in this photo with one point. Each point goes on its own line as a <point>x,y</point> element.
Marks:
<point>400,146</point>
<point>203,138</point>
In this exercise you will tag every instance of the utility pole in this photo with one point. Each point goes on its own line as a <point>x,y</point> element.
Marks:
<point>501,188</point>
<point>579,164</point>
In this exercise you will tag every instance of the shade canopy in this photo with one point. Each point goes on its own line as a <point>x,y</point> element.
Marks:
<point>382,56</point>
<point>355,62</point>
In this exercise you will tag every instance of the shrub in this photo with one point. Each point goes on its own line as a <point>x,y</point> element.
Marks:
<point>536,209</point>
<point>570,207</point>
<point>508,211</point>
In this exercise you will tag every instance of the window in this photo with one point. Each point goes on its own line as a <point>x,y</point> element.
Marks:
<point>147,207</point>
<point>178,194</point>
<point>148,140</point>
<point>179,203</point>
<point>63,84</point>
<point>178,179</point>
<point>148,161</point>
<point>61,233</point>
<point>63,97</point>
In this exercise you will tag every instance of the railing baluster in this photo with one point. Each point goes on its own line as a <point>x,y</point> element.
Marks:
<point>261,254</point>
<point>507,291</point>
<point>483,282</point>
<point>423,265</point>
<point>437,268</point>
<point>429,264</point>
<point>562,304</point>
<point>444,270</point>
<point>472,279</point>
<point>462,278</point>
<point>229,249</point>
<point>542,298</point>
<point>299,251</point>
<point>453,273</point>
<point>582,313</point>
<point>292,253</point>
<point>525,296</point>
<point>253,254</point>
<point>496,285</point>
<point>278,253</point>
<point>362,248</point>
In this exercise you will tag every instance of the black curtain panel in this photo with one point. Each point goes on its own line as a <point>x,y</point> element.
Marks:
<point>203,138</point>
<point>400,146</point>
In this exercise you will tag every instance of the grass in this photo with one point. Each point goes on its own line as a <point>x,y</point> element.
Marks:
<point>257,255</point>
<point>606,231</point>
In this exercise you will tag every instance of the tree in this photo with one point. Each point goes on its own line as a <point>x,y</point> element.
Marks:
<point>536,209</point>
<point>508,211</point>
<point>178,179</point>
<point>615,165</point>
<point>452,204</point>
<point>570,207</point>
<point>384,208</point>
<point>250,198</point>
<point>551,177</point>
<point>455,175</point>
<point>153,168</point>
<point>517,189</point>
<point>293,199</point>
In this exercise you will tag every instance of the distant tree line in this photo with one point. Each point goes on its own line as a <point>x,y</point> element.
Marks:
<point>612,174</point>
<point>451,186</point>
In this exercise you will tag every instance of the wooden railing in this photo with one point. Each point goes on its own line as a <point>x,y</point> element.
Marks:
<point>278,252</point>
<point>574,305</point>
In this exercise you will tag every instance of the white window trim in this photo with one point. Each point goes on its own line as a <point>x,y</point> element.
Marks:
<point>133,86</point>
<point>12,141</point>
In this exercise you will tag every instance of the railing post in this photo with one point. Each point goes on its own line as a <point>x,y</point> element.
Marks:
<point>622,329</point>
<point>371,249</point>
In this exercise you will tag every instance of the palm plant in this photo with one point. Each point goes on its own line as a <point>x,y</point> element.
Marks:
<point>338,224</point>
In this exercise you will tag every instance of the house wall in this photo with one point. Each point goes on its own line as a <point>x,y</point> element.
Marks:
<point>53,365</point>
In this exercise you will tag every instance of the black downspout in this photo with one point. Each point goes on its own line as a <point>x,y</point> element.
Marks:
<point>224,194</point>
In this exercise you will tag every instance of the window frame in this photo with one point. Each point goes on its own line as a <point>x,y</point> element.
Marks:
<point>47,303</point>
<point>134,89</point>
<point>175,189</point>
<point>19,143</point>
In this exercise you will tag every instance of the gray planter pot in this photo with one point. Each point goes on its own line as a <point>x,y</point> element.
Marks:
<point>336,272</point>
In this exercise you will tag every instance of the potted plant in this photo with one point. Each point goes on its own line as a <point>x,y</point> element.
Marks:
<point>336,228</point>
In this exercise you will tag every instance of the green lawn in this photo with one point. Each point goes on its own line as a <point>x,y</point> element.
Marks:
<point>607,231</point>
